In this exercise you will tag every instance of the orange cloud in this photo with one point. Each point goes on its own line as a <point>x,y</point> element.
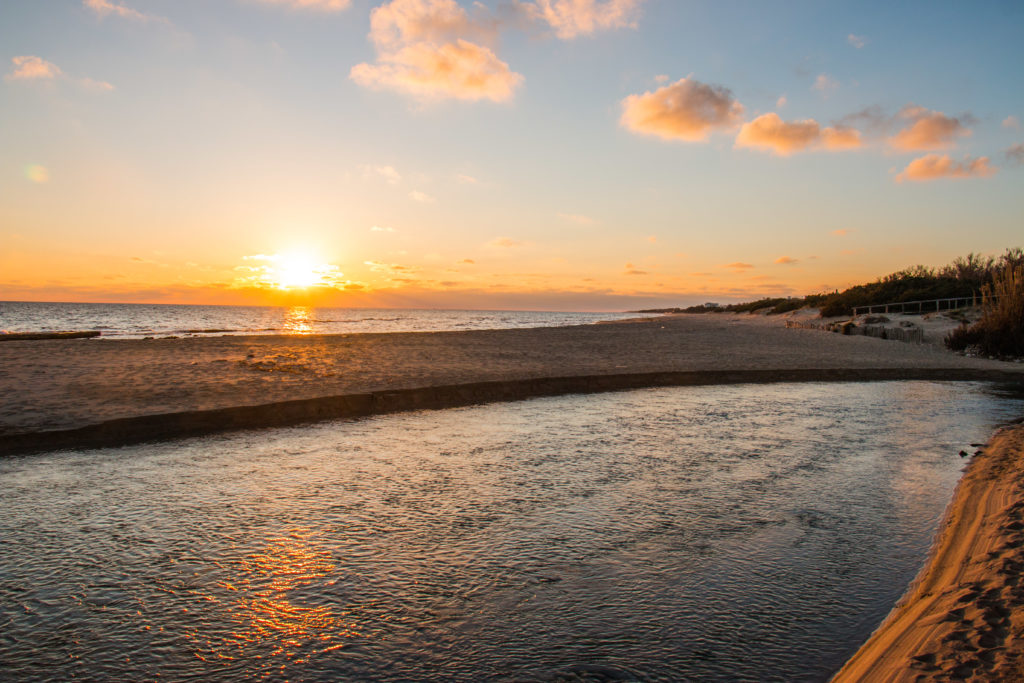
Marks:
<point>934,166</point>
<point>460,70</point>
<point>422,51</point>
<point>739,266</point>
<point>927,130</point>
<point>786,260</point>
<point>770,132</point>
<point>685,110</point>
<point>572,18</point>
<point>104,7</point>
<point>27,67</point>
<point>319,5</point>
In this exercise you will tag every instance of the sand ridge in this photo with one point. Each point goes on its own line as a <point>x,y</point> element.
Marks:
<point>69,384</point>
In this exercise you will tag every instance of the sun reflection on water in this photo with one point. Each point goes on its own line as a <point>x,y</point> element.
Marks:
<point>269,616</point>
<point>298,320</point>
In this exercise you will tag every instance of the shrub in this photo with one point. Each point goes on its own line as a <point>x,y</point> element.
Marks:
<point>1000,331</point>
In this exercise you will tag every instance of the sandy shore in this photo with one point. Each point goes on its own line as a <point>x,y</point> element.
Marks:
<point>65,385</point>
<point>963,617</point>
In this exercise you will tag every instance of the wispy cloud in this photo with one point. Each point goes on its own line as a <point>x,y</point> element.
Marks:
<point>423,51</point>
<point>857,41</point>
<point>28,67</point>
<point>786,260</point>
<point>31,68</point>
<point>928,130</point>
<point>738,266</point>
<point>577,218</point>
<point>318,5</point>
<point>686,110</point>
<point>466,179</point>
<point>841,232</point>
<point>935,166</point>
<point>95,86</point>
<point>421,197</point>
<point>378,228</point>
<point>387,173</point>
<point>1015,154</point>
<point>770,132</point>
<point>573,18</point>
<point>825,84</point>
<point>505,243</point>
<point>105,7</point>
<point>1011,123</point>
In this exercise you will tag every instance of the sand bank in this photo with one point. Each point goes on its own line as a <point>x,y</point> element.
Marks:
<point>129,390</point>
<point>963,617</point>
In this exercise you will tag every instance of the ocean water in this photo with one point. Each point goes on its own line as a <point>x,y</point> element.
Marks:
<point>750,533</point>
<point>127,321</point>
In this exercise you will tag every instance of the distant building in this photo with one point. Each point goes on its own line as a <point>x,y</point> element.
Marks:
<point>712,305</point>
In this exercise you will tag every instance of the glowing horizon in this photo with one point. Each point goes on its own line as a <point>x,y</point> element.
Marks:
<point>595,155</point>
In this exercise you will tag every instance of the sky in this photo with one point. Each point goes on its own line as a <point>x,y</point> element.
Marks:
<point>512,154</point>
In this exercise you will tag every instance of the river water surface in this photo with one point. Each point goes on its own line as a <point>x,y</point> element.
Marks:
<point>706,533</point>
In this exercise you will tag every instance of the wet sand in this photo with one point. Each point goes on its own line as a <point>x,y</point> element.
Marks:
<point>84,392</point>
<point>963,617</point>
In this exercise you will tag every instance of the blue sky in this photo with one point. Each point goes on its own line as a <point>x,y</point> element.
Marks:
<point>153,149</point>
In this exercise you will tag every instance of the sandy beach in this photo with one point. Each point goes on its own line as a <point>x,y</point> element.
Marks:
<point>55,386</point>
<point>962,618</point>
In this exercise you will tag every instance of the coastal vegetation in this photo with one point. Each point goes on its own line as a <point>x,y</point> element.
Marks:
<point>967,276</point>
<point>1000,330</point>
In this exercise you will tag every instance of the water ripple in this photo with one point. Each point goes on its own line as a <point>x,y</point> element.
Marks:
<point>717,533</point>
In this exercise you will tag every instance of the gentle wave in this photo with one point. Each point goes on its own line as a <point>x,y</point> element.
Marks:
<point>128,321</point>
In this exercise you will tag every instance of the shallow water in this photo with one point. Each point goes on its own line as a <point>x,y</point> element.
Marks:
<point>711,533</point>
<point>133,321</point>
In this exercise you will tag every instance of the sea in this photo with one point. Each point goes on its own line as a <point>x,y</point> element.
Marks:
<point>136,321</point>
<point>724,533</point>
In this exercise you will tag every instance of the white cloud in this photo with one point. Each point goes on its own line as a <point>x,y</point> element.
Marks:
<point>421,197</point>
<point>857,41</point>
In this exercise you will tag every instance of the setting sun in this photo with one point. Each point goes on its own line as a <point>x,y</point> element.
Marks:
<point>296,271</point>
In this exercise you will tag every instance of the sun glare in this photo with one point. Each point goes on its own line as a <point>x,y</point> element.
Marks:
<point>296,271</point>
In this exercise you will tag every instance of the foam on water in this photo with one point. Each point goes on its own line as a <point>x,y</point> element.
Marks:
<point>711,533</point>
